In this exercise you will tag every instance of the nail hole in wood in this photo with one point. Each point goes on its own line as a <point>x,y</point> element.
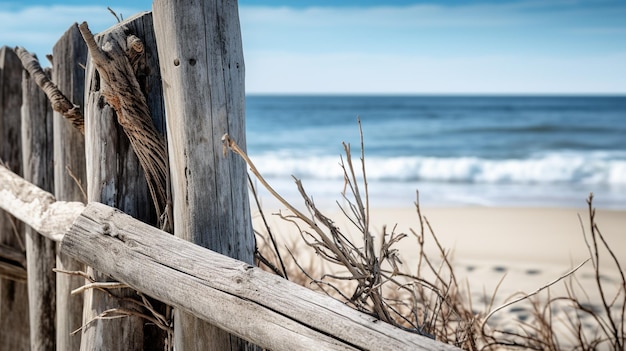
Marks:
<point>192,62</point>
<point>176,62</point>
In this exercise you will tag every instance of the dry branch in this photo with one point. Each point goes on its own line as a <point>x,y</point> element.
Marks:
<point>59,102</point>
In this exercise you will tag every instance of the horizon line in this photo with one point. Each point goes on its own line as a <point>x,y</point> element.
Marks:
<point>465,94</point>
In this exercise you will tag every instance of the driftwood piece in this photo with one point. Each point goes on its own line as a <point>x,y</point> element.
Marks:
<point>70,177</point>
<point>37,148</point>
<point>125,165</point>
<point>35,207</point>
<point>121,90</point>
<point>59,102</point>
<point>13,295</point>
<point>203,78</point>
<point>244,300</point>
<point>247,301</point>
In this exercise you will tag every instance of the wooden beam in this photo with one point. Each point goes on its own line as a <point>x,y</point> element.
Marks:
<point>126,163</point>
<point>13,294</point>
<point>39,169</point>
<point>202,66</point>
<point>233,295</point>
<point>69,57</point>
<point>35,207</point>
<point>244,300</point>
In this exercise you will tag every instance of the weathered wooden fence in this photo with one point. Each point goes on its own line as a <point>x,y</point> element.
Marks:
<point>136,106</point>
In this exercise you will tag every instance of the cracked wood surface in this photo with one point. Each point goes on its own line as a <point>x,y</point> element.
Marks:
<point>37,150</point>
<point>70,176</point>
<point>201,62</point>
<point>116,59</point>
<point>126,163</point>
<point>13,295</point>
<point>36,207</point>
<point>244,300</point>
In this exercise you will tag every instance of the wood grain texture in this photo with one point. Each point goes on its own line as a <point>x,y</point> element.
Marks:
<point>120,62</point>
<point>12,264</point>
<point>35,207</point>
<point>114,172</point>
<point>70,174</point>
<point>13,295</point>
<point>37,147</point>
<point>244,300</point>
<point>202,67</point>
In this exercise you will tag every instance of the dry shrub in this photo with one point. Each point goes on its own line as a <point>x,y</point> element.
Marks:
<point>574,321</point>
<point>370,277</point>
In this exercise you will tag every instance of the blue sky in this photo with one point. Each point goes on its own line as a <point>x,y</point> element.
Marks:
<point>403,46</point>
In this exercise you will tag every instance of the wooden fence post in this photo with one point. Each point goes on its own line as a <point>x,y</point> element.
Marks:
<point>40,251</point>
<point>13,295</point>
<point>202,66</point>
<point>115,178</point>
<point>70,179</point>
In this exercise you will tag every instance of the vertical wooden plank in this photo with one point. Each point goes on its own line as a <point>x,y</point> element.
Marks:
<point>202,67</point>
<point>13,295</point>
<point>69,53</point>
<point>115,178</point>
<point>38,169</point>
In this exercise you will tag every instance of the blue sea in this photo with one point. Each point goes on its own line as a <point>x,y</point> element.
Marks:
<point>539,151</point>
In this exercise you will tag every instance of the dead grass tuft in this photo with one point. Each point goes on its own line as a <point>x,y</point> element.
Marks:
<point>370,276</point>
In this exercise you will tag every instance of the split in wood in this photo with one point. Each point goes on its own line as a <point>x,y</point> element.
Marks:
<point>121,90</point>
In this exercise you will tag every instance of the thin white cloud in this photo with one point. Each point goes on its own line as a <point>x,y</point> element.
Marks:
<point>285,72</point>
<point>37,28</point>
<point>410,49</point>
<point>508,47</point>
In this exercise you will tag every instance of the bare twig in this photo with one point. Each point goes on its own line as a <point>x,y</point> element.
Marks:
<point>99,285</point>
<point>484,322</point>
<point>268,229</point>
<point>77,181</point>
<point>77,273</point>
<point>118,18</point>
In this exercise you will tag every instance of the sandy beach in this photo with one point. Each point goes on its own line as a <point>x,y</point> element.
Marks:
<point>524,247</point>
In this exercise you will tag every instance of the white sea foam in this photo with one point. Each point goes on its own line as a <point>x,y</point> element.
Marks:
<point>601,168</point>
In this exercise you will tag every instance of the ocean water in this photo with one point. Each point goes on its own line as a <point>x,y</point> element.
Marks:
<point>456,150</point>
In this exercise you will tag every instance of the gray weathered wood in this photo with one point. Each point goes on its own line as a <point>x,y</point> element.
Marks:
<point>35,207</point>
<point>40,251</point>
<point>69,58</point>
<point>14,255</point>
<point>253,304</point>
<point>12,263</point>
<point>202,66</point>
<point>13,295</point>
<point>114,174</point>
<point>247,301</point>
<point>121,65</point>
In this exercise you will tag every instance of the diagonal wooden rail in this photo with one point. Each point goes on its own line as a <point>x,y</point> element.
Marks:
<point>35,207</point>
<point>233,295</point>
